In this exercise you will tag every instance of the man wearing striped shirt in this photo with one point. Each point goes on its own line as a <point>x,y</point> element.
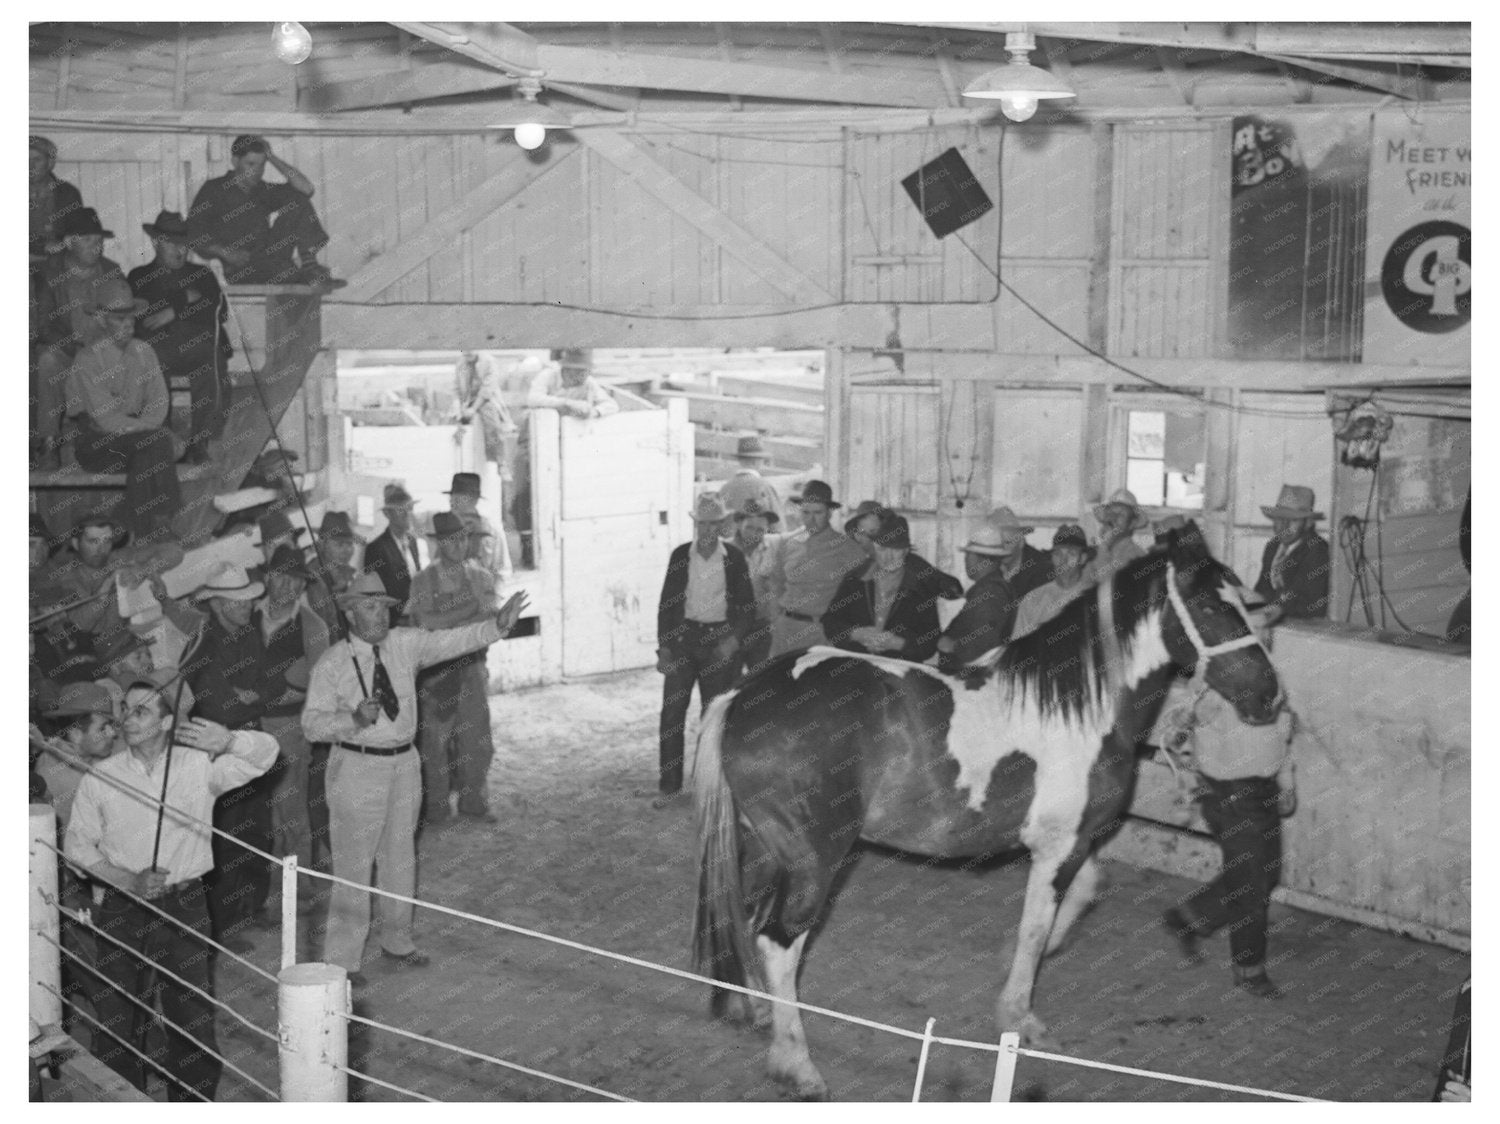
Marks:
<point>111,838</point>
<point>362,698</point>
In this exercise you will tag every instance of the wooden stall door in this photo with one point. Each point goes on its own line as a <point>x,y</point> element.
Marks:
<point>626,487</point>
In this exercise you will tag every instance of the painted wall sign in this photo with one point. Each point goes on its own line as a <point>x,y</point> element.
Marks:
<point>1418,265</point>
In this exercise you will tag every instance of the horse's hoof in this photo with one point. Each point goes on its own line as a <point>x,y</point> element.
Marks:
<point>1032,1030</point>
<point>801,1079</point>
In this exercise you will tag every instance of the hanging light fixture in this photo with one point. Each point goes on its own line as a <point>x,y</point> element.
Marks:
<point>291,42</point>
<point>528,118</point>
<point>1018,86</point>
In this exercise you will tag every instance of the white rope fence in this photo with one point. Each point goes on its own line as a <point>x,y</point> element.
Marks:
<point>1007,1050</point>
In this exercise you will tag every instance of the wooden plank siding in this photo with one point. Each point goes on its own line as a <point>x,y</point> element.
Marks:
<point>1166,232</point>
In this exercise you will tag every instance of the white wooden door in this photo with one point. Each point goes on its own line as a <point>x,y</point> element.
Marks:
<point>625,492</point>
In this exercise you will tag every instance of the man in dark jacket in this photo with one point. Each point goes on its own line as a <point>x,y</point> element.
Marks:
<point>886,608</point>
<point>989,613</point>
<point>398,553</point>
<point>861,527</point>
<point>707,607</point>
<point>1294,567</point>
<point>1024,566</point>
<point>184,324</point>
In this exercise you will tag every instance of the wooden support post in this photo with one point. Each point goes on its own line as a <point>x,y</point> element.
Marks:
<point>312,1025</point>
<point>46,959</point>
<point>1005,1067</point>
<point>289,911</point>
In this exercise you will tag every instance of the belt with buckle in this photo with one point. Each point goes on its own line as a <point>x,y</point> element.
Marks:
<point>800,616</point>
<point>375,750</point>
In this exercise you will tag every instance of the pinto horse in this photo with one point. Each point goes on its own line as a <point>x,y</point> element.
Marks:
<point>822,748</point>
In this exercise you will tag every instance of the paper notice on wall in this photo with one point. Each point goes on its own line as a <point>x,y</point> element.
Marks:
<point>1418,270</point>
<point>201,563</point>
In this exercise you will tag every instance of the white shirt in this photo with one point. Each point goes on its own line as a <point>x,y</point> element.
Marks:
<point>334,690</point>
<point>114,811</point>
<point>707,600</point>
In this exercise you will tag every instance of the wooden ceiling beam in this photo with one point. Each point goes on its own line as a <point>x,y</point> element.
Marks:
<point>496,45</point>
<point>605,99</point>
<point>1171,64</point>
<point>716,76</point>
<point>402,87</point>
<point>1410,87</point>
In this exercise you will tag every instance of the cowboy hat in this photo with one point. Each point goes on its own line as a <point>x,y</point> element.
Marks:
<point>85,220</point>
<point>464,484</point>
<point>275,525</point>
<point>865,507</point>
<point>169,225</point>
<point>1295,502</point>
<point>1004,519</point>
<point>82,698</point>
<point>336,525</point>
<point>893,532</point>
<point>990,540</point>
<point>446,525</point>
<point>115,296</point>
<point>231,583</point>
<point>43,145</point>
<point>397,496</point>
<point>750,447</point>
<point>754,509</point>
<point>710,509</point>
<point>817,491</point>
<point>287,560</point>
<point>1124,497</point>
<point>1070,534</point>
<point>366,587</point>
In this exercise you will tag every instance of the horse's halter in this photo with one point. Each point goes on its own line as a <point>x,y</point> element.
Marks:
<point>1205,652</point>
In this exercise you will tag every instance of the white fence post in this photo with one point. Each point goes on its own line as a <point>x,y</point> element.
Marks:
<point>289,911</point>
<point>46,959</point>
<point>916,1092</point>
<point>1005,1067</point>
<point>313,1030</point>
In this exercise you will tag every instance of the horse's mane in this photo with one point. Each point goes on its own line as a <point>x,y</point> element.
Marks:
<point>1065,662</point>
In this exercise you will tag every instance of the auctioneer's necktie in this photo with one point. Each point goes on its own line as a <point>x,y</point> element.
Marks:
<point>383,692</point>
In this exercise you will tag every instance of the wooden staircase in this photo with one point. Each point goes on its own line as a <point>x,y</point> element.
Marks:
<point>291,315</point>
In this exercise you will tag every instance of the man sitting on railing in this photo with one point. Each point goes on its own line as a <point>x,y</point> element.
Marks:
<point>113,838</point>
<point>253,226</point>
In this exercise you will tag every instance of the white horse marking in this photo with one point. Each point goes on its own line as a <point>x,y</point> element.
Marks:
<point>789,1061</point>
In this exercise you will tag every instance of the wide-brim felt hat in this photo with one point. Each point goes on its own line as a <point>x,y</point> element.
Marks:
<point>287,560</point>
<point>117,645</point>
<point>81,698</point>
<point>168,224</point>
<point>336,525</point>
<point>85,220</point>
<point>115,296</point>
<point>817,491</point>
<point>1006,520</point>
<point>990,540</point>
<point>754,509</point>
<point>445,524</point>
<point>752,447</point>
<point>1294,502</point>
<point>894,532</point>
<point>710,509</point>
<point>464,484</point>
<point>231,583</point>
<point>1125,498</point>
<point>275,524</point>
<point>397,496</point>
<point>365,587</point>
<point>1070,534</point>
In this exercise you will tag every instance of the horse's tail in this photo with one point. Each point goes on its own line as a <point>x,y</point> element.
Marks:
<point>722,948</point>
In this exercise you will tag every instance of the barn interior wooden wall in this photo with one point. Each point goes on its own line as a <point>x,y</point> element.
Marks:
<point>947,395</point>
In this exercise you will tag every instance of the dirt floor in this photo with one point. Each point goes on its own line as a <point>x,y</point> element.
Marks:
<point>579,853</point>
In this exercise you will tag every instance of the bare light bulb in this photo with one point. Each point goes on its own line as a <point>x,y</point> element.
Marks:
<point>530,135</point>
<point>1018,107</point>
<point>291,42</point>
